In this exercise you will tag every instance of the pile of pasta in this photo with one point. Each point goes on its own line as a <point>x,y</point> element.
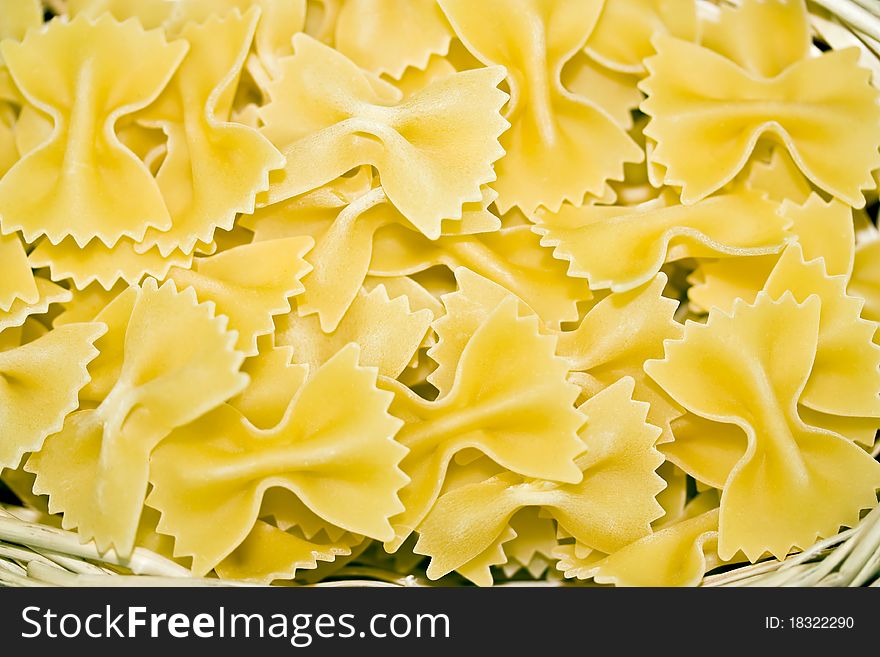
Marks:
<point>501,288</point>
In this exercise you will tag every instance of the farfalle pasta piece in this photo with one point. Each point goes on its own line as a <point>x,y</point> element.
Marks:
<point>793,482</point>
<point>269,553</point>
<point>8,151</point>
<point>343,252</point>
<point>673,556</point>
<point>416,79</point>
<point>86,75</point>
<point>533,544</point>
<point>164,361</point>
<point>287,511</point>
<point>706,107</point>
<point>823,229</point>
<point>707,450</point>
<point>560,147</point>
<point>673,498</point>
<point>433,149</point>
<point>40,383</point>
<point>106,266</point>
<point>387,331</point>
<point>622,37</point>
<point>273,380</point>
<point>84,305</point>
<point>16,336</point>
<point>511,257</point>
<point>472,303</point>
<point>678,554</point>
<point>17,16</point>
<point>17,281</point>
<point>620,456</point>
<point>369,33</point>
<point>614,340</point>
<point>249,284</point>
<point>845,377</point>
<point>334,449</point>
<point>150,13</point>
<point>321,19</point>
<point>418,296</point>
<point>47,294</point>
<point>510,400</point>
<point>779,177</point>
<point>614,92</point>
<point>865,281</point>
<point>279,21</point>
<point>214,168</point>
<point>623,247</point>
<point>311,213</point>
<point>732,33</point>
<point>341,258</point>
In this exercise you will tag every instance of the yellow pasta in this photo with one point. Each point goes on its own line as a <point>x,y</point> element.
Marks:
<point>83,169</point>
<point>105,266</point>
<point>614,340</point>
<point>806,482</point>
<point>17,281</point>
<point>846,358</point>
<point>677,554</point>
<point>622,37</point>
<point>527,425</point>
<point>302,453</point>
<point>164,361</point>
<point>788,93</point>
<point>369,34</point>
<point>387,331</point>
<point>269,553</point>
<point>214,168</point>
<point>544,163</point>
<point>273,378</point>
<point>41,380</point>
<point>249,284</point>
<point>323,115</point>
<point>621,248</point>
<point>508,290</point>
<point>47,294</point>
<point>511,257</point>
<point>822,229</point>
<point>532,547</point>
<point>624,458</point>
<point>150,13</point>
<point>865,281</point>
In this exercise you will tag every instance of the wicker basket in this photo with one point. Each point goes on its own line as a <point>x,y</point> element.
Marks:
<point>33,553</point>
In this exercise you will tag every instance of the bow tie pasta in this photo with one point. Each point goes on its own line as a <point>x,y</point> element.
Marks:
<point>473,291</point>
